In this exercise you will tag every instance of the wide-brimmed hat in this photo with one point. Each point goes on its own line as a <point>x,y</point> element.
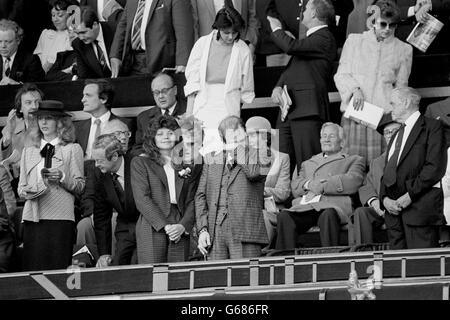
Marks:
<point>385,120</point>
<point>51,108</point>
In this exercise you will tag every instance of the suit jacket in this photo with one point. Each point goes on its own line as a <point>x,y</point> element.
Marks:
<point>421,165</point>
<point>146,117</point>
<point>169,35</point>
<point>100,190</point>
<point>308,72</point>
<point>205,14</point>
<point>26,67</point>
<point>245,198</point>
<point>83,129</point>
<point>371,186</point>
<point>88,65</point>
<point>343,175</point>
<point>441,111</point>
<point>63,61</point>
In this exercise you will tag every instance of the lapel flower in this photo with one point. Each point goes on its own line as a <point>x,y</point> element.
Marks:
<point>185,173</point>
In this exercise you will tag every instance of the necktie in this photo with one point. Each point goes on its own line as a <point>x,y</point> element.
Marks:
<point>136,36</point>
<point>390,172</point>
<point>166,112</point>
<point>118,187</point>
<point>7,67</point>
<point>97,122</point>
<point>100,56</point>
<point>47,153</point>
<point>301,26</point>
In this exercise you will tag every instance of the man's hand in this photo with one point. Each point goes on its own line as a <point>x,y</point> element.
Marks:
<point>358,100</point>
<point>315,186</point>
<point>104,261</point>
<point>180,69</point>
<point>6,81</point>
<point>115,67</point>
<point>174,231</point>
<point>204,242</point>
<point>276,95</point>
<point>274,23</point>
<point>392,206</point>
<point>404,201</point>
<point>376,206</point>
<point>11,121</point>
<point>421,9</point>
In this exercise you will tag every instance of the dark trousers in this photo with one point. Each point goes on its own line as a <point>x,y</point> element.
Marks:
<point>125,235</point>
<point>300,138</point>
<point>365,220</point>
<point>291,224</point>
<point>7,244</point>
<point>404,236</point>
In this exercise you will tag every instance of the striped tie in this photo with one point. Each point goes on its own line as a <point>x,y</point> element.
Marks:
<point>7,67</point>
<point>136,36</point>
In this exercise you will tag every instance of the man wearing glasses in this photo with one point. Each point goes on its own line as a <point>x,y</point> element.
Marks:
<point>164,92</point>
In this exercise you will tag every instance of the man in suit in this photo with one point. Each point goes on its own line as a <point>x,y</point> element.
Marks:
<point>441,111</point>
<point>410,191</point>
<point>328,180</point>
<point>152,35</point>
<point>370,216</point>
<point>17,65</point>
<point>97,101</point>
<point>230,198</point>
<point>164,92</point>
<point>113,191</point>
<point>92,46</point>
<point>306,76</point>
<point>204,13</point>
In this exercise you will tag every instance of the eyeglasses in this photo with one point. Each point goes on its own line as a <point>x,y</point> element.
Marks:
<point>385,25</point>
<point>118,134</point>
<point>164,91</point>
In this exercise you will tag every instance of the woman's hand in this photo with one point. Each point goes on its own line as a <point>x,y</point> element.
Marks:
<point>358,100</point>
<point>52,175</point>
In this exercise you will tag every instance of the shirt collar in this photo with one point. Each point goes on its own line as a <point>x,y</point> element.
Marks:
<point>121,171</point>
<point>314,29</point>
<point>100,34</point>
<point>412,119</point>
<point>104,118</point>
<point>11,59</point>
<point>170,109</point>
<point>54,142</point>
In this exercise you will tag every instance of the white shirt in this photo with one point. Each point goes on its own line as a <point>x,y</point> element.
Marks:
<point>170,173</point>
<point>121,173</point>
<point>11,61</point>
<point>100,6</point>
<point>409,124</point>
<point>148,4</point>
<point>314,29</point>
<point>170,109</point>
<point>41,163</point>
<point>101,43</point>
<point>104,119</point>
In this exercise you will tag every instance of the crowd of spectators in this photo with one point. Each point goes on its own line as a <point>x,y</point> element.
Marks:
<point>188,176</point>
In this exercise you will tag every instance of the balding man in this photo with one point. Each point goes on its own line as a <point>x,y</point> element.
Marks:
<point>410,190</point>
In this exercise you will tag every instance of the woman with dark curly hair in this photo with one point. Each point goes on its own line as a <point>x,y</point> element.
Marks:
<point>163,196</point>
<point>51,174</point>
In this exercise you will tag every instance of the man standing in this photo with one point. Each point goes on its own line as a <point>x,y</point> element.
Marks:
<point>97,101</point>
<point>371,216</point>
<point>164,92</point>
<point>152,35</point>
<point>16,65</point>
<point>92,46</point>
<point>306,77</point>
<point>410,191</point>
<point>230,198</point>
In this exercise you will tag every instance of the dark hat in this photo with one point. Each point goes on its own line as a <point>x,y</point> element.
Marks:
<point>385,120</point>
<point>50,108</point>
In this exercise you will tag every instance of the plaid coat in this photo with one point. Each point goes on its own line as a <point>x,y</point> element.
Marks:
<point>245,198</point>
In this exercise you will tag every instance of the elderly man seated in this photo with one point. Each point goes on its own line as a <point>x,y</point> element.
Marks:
<point>322,191</point>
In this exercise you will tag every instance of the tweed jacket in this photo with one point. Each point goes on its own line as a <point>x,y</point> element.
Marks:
<point>341,175</point>
<point>57,203</point>
<point>371,186</point>
<point>245,197</point>
<point>278,181</point>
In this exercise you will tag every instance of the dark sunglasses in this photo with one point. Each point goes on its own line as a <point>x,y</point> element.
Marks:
<point>385,25</point>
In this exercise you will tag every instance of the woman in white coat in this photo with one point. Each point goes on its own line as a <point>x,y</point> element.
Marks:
<point>219,75</point>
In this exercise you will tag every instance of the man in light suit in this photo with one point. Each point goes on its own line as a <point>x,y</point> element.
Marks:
<point>306,76</point>
<point>97,101</point>
<point>441,111</point>
<point>164,92</point>
<point>92,46</point>
<point>204,13</point>
<point>410,190</point>
<point>152,35</point>
<point>370,216</point>
<point>322,191</point>
<point>230,198</point>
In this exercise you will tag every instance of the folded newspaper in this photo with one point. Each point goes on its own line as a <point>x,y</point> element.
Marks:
<point>306,199</point>
<point>286,103</point>
<point>423,34</point>
<point>369,116</point>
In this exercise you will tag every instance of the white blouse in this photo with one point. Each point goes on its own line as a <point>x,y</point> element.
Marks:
<point>50,43</point>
